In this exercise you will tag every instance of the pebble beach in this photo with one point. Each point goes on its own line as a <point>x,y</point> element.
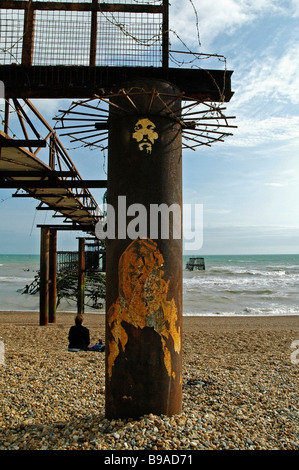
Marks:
<point>240,388</point>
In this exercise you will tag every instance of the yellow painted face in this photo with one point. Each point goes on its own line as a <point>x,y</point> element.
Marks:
<point>145,134</point>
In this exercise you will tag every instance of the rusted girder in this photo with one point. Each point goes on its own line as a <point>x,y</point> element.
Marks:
<point>144,273</point>
<point>44,276</point>
<point>83,82</point>
<point>81,276</point>
<point>15,143</point>
<point>52,276</point>
<point>52,184</point>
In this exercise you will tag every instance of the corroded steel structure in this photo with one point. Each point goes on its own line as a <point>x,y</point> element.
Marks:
<point>144,295</point>
<point>42,168</point>
<point>87,32</point>
<point>56,49</point>
<point>116,56</point>
<point>144,122</point>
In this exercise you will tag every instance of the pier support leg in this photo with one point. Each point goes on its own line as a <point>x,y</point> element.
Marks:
<point>144,265</point>
<point>81,276</point>
<point>53,276</point>
<point>44,276</point>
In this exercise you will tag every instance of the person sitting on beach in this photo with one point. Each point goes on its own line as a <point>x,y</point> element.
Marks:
<point>79,338</point>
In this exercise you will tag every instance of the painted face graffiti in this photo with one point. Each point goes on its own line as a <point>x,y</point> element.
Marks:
<point>145,134</point>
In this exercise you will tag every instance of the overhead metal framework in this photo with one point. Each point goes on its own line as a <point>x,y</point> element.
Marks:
<point>68,49</point>
<point>57,184</point>
<point>112,59</point>
<point>84,82</point>
<point>88,121</point>
<point>86,32</point>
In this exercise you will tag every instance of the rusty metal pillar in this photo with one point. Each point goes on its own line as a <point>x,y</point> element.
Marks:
<point>53,276</point>
<point>144,272</point>
<point>28,36</point>
<point>81,276</point>
<point>44,276</point>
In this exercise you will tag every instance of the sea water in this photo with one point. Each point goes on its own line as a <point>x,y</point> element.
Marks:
<point>230,285</point>
<point>243,285</point>
<point>17,271</point>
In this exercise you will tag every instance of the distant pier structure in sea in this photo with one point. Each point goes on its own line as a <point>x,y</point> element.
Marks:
<point>195,263</point>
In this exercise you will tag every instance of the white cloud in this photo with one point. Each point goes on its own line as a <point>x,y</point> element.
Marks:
<point>221,16</point>
<point>253,132</point>
<point>270,77</point>
<point>295,6</point>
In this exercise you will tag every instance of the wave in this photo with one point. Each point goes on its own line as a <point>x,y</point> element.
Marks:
<point>238,272</point>
<point>240,284</point>
<point>270,311</point>
<point>14,279</point>
<point>247,312</point>
<point>250,292</point>
<point>250,272</point>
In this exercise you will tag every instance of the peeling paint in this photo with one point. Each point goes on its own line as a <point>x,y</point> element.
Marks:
<point>142,301</point>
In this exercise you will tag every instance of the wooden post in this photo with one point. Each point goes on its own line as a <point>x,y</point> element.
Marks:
<point>44,276</point>
<point>81,276</point>
<point>53,276</point>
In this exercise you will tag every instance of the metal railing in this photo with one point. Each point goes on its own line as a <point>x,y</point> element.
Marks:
<point>87,33</point>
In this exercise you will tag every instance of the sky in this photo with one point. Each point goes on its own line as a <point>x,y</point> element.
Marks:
<point>248,185</point>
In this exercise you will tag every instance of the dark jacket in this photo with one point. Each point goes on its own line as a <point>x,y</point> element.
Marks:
<point>79,337</point>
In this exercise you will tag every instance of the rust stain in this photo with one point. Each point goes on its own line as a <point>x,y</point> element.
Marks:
<point>142,301</point>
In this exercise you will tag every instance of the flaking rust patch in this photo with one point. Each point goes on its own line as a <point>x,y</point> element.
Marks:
<point>142,301</point>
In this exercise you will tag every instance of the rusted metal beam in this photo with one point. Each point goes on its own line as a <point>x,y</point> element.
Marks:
<point>42,184</point>
<point>36,174</point>
<point>44,276</point>
<point>93,34</point>
<point>28,34</point>
<point>42,195</point>
<point>61,208</point>
<point>6,117</point>
<point>165,34</point>
<point>15,143</point>
<point>51,195</point>
<point>144,271</point>
<point>81,276</point>
<point>73,228</point>
<point>84,82</point>
<point>80,6</point>
<point>52,275</point>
